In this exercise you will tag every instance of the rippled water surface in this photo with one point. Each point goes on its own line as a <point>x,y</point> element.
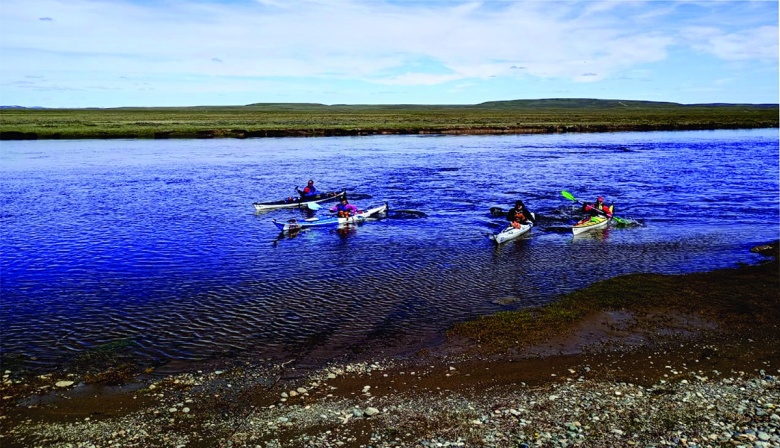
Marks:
<point>157,242</point>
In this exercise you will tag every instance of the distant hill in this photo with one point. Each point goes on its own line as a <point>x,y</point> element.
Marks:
<point>588,103</point>
<point>547,103</point>
<point>21,107</point>
<point>286,105</point>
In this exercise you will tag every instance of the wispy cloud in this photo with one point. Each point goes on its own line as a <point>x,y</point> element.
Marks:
<point>348,46</point>
<point>745,45</point>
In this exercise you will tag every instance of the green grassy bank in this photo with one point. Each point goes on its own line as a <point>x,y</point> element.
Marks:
<point>311,120</point>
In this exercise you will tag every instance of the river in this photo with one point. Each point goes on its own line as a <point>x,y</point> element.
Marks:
<point>156,243</point>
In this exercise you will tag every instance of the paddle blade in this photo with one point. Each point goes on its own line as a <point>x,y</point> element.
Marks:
<point>568,195</point>
<point>497,211</point>
<point>313,206</point>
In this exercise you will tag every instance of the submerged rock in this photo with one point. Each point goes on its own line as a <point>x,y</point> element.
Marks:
<point>768,250</point>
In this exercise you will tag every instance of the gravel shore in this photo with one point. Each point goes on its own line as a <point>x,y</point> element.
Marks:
<point>400,408</point>
<point>690,387</point>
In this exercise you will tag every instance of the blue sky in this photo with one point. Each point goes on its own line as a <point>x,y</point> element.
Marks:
<point>111,53</point>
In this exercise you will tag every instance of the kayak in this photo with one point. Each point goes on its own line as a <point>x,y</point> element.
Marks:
<point>292,225</point>
<point>511,232</point>
<point>297,202</point>
<point>592,223</point>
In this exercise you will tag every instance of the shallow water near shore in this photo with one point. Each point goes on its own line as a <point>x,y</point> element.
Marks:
<point>156,243</point>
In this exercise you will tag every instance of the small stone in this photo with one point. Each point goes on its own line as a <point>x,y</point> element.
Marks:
<point>63,383</point>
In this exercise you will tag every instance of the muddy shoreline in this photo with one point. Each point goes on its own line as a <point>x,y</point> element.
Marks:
<point>362,132</point>
<point>635,375</point>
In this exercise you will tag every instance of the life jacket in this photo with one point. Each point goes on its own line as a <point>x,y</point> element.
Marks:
<point>598,208</point>
<point>343,211</point>
<point>516,215</point>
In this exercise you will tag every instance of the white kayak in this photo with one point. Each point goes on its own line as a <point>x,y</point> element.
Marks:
<point>511,233</point>
<point>292,225</point>
<point>297,202</point>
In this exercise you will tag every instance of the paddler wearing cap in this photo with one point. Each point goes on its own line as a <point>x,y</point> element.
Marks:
<point>598,208</point>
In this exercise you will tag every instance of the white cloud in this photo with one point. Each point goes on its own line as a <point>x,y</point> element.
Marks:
<point>414,44</point>
<point>751,44</point>
<point>420,79</point>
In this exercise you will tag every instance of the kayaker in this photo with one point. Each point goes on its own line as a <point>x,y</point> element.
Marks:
<point>344,208</point>
<point>599,208</point>
<point>519,215</point>
<point>309,190</point>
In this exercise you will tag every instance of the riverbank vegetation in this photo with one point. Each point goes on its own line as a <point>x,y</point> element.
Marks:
<point>312,120</point>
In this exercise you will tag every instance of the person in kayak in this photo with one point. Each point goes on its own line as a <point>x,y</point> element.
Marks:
<point>308,191</point>
<point>519,215</point>
<point>598,208</point>
<point>344,208</point>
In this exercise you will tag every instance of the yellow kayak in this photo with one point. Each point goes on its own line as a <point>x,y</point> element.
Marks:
<point>591,223</point>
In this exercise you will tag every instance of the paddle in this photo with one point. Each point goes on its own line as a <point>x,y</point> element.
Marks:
<point>310,205</point>
<point>497,211</point>
<point>571,197</point>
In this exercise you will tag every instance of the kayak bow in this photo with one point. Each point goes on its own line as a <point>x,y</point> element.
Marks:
<point>512,232</point>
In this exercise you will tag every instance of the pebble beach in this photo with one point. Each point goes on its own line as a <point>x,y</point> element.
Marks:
<point>691,408</point>
<point>643,386</point>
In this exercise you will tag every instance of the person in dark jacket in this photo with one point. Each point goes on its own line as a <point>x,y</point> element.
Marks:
<point>308,191</point>
<point>519,215</point>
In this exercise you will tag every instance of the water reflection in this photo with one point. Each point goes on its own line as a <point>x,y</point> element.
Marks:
<point>593,235</point>
<point>346,231</point>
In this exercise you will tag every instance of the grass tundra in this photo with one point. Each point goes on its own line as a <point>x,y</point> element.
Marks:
<point>313,120</point>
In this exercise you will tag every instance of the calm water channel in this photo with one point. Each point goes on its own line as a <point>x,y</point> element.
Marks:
<point>157,242</point>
